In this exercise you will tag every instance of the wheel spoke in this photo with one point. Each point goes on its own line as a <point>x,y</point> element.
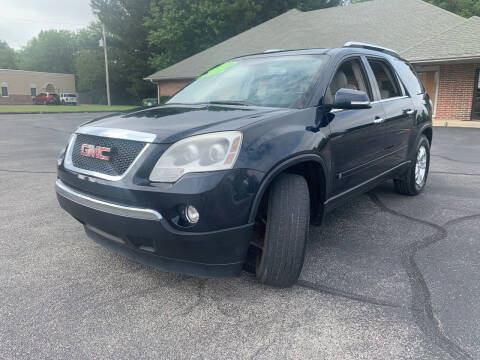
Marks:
<point>421,165</point>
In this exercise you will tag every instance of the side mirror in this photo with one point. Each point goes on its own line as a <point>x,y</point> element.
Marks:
<point>351,99</point>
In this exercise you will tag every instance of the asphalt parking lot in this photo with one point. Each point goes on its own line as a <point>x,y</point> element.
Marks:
<point>386,277</point>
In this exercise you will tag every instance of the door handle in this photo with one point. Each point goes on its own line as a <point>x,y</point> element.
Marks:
<point>378,120</point>
<point>409,111</point>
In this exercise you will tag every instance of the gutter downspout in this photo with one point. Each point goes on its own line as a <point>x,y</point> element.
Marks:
<point>158,91</point>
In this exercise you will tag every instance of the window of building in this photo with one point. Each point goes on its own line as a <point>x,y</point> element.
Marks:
<point>33,90</point>
<point>4,90</point>
<point>476,98</point>
<point>387,83</point>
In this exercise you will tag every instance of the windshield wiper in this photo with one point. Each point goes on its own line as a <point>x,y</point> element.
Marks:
<point>230,102</point>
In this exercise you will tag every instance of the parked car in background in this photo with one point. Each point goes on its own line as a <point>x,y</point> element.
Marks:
<point>149,102</point>
<point>68,99</point>
<point>46,99</point>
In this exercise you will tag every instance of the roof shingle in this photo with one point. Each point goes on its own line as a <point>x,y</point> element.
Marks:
<point>396,24</point>
<point>461,41</point>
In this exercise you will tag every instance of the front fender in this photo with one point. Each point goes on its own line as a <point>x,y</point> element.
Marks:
<point>271,175</point>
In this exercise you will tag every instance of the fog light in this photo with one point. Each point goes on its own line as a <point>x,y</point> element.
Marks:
<point>191,213</point>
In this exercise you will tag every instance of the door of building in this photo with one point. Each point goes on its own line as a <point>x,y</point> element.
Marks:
<point>429,80</point>
<point>476,98</point>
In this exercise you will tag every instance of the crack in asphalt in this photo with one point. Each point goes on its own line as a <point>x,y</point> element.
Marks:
<point>27,171</point>
<point>345,294</point>
<point>53,129</point>
<point>200,298</point>
<point>324,289</point>
<point>452,173</point>
<point>456,160</point>
<point>422,309</point>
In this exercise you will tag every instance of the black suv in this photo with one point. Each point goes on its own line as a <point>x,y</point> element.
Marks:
<point>235,167</point>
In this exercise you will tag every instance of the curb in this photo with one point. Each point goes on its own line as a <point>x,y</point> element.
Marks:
<point>457,123</point>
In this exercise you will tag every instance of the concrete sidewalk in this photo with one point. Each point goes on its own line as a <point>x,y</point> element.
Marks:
<point>457,123</point>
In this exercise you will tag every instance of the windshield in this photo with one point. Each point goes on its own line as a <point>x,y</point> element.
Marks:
<point>282,81</point>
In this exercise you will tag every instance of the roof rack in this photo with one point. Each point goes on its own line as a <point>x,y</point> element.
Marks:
<point>371,47</point>
<point>272,50</point>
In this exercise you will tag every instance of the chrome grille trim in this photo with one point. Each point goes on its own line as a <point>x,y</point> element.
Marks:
<point>117,133</point>
<point>104,206</point>
<point>68,164</point>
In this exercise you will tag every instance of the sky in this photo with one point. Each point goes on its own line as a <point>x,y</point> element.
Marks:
<point>20,20</point>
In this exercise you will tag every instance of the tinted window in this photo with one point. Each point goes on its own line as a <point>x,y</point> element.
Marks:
<point>33,91</point>
<point>281,81</point>
<point>409,77</point>
<point>350,75</point>
<point>387,84</point>
<point>4,91</point>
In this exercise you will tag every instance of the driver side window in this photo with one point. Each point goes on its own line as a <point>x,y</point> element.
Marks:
<point>349,75</point>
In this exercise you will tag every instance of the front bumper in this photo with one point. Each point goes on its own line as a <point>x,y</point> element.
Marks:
<point>145,236</point>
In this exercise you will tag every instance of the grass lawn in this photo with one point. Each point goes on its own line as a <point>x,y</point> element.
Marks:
<point>6,109</point>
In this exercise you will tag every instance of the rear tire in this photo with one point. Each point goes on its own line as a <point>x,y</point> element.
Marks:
<point>288,216</point>
<point>414,180</point>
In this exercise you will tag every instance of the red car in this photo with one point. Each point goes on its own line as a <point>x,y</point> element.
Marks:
<point>46,99</point>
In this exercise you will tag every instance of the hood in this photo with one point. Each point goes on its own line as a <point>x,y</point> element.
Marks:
<point>171,123</point>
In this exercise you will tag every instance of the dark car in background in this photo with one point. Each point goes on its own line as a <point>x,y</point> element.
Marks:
<point>234,168</point>
<point>46,99</point>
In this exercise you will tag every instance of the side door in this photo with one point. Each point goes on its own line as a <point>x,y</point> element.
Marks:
<point>399,111</point>
<point>356,142</point>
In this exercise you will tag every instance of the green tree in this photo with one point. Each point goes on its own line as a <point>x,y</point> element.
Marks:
<point>50,51</point>
<point>180,28</point>
<point>128,50</point>
<point>89,65</point>
<point>7,56</point>
<point>465,8</point>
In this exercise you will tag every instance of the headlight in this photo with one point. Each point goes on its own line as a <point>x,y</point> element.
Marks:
<point>61,155</point>
<point>209,152</point>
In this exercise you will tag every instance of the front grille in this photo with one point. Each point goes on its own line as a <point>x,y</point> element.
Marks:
<point>121,156</point>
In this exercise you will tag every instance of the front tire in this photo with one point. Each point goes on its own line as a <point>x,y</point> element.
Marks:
<point>287,220</point>
<point>414,180</point>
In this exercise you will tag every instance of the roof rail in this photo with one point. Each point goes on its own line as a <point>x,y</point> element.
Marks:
<point>371,47</point>
<point>272,50</point>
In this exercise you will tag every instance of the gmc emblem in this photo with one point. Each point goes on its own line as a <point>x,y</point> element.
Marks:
<point>94,151</point>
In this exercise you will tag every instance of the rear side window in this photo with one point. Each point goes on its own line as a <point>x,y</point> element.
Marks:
<point>409,77</point>
<point>387,83</point>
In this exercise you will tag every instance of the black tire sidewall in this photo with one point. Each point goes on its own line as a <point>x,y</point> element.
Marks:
<point>274,218</point>
<point>422,141</point>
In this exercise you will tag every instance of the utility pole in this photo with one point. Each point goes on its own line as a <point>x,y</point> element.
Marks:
<point>106,65</point>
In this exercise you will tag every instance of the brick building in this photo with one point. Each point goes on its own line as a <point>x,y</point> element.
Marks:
<point>443,47</point>
<point>19,87</point>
